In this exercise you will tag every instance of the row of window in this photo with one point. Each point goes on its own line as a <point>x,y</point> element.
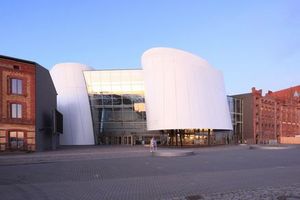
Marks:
<point>16,87</point>
<point>17,140</point>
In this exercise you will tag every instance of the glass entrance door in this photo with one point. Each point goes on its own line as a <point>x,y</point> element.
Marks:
<point>16,140</point>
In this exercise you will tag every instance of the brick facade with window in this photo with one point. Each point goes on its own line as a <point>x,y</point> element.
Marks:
<point>14,72</point>
<point>18,104</point>
<point>273,118</point>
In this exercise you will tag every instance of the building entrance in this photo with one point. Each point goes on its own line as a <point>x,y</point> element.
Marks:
<point>16,140</point>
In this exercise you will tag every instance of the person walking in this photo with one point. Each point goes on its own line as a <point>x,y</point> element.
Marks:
<point>152,144</point>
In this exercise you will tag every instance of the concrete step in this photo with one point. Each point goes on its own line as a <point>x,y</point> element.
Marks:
<point>172,153</point>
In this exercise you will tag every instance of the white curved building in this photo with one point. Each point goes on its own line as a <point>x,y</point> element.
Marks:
<point>73,102</point>
<point>182,91</point>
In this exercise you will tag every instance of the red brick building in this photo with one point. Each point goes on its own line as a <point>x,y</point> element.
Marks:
<point>273,118</point>
<point>25,121</point>
<point>288,101</point>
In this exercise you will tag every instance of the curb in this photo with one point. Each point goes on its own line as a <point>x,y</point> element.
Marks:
<point>271,147</point>
<point>172,153</point>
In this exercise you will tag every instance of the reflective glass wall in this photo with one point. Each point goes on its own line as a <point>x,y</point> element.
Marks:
<point>117,104</point>
<point>236,112</point>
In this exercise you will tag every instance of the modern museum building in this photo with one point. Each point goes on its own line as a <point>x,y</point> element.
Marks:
<point>176,97</point>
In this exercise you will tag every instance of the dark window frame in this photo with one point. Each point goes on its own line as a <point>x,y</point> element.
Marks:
<point>10,85</point>
<point>16,86</point>
<point>17,114</point>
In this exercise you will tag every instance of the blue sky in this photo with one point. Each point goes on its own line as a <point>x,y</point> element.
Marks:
<point>254,43</point>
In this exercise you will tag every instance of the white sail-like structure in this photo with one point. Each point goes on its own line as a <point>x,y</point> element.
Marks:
<point>182,91</point>
<point>73,103</point>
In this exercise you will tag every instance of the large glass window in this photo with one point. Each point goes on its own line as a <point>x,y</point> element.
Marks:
<point>236,111</point>
<point>16,140</point>
<point>117,101</point>
<point>16,86</point>
<point>16,110</point>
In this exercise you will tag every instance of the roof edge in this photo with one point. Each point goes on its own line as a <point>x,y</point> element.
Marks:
<point>18,59</point>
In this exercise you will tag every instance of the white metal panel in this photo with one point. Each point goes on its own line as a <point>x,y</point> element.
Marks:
<point>73,103</point>
<point>183,91</point>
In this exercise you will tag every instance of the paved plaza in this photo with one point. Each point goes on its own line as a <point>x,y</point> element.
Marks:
<point>114,172</point>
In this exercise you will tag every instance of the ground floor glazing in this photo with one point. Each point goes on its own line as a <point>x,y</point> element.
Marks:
<point>185,137</point>
<point>17,140</point>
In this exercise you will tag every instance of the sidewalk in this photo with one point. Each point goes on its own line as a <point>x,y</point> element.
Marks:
<point>273,147</point>
<point>69,153</point>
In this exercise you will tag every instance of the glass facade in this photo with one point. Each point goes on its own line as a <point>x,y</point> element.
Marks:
<point>119,117</point>
<point>117,105</point>
<point>197,137</point>
<point>236,112</point>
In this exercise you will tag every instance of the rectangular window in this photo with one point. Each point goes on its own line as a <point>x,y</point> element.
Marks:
<point>16,111</point>
<point>16,86</point>
<point>16,140</point>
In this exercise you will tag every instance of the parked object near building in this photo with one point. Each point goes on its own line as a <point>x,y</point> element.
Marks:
<point>184,96</point>
<point>273,118</point>
<point>27,106</point>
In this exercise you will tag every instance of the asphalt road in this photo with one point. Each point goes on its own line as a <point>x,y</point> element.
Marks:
<point>132,173</point>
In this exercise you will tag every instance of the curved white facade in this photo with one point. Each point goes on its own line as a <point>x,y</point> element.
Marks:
<point>182,91</point>
<point>73,103</point>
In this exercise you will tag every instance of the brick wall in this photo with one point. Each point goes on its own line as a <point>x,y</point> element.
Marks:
<point>276,115</point>
<point>290,140</point>
<point>10,68</point>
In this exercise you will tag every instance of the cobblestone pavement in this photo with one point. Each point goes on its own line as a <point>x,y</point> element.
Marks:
<point>91,153</point>
<point>73,153</point>
<point>267,193</point>
<point>232,172</point>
